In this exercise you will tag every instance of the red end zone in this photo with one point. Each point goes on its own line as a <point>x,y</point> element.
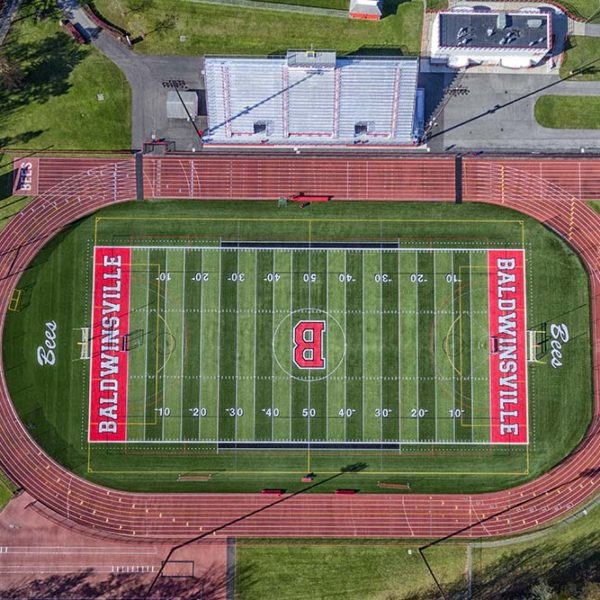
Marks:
<point>508,359</point>
<point>110,325</point>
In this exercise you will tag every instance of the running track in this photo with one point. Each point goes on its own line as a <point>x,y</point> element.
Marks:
<point>71,188</point>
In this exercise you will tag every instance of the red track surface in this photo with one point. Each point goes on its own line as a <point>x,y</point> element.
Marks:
<point>225,178</point>
<point>116,514</point>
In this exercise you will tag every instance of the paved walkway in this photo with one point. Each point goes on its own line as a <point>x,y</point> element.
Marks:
<point>145,74</point>
<point>6,16</point>
<point>497,113</point>
<point>592,29</point>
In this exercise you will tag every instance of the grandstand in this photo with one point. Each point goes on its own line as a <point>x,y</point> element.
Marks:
<point>313,98</point>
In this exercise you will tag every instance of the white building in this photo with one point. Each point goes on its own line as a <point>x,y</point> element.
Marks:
<point>466,36</point>
<point>312,98</point>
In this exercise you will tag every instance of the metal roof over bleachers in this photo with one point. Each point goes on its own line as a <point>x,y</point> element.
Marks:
<point>311,98</point>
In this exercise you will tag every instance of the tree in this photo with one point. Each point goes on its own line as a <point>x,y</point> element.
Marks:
<point>138,6</point>
<point>541,591</point>
<point>11,74</point>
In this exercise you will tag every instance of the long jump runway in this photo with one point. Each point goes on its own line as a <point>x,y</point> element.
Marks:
<point>90,184</point>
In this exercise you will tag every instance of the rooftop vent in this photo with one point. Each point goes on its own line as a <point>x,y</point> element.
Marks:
<point>534,23</point>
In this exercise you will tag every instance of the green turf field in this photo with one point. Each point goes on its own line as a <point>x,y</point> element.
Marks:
<point>406,343</point>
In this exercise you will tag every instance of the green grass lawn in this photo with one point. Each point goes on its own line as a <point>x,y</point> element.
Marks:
<point>334,4</point>
<point>571,112</point>
<point>566,560</point>
<point>560,399</point>
<point>582,8</point>
<point>212,29</point>
<point>582,57</point>
<point>57,105</point>
<point>6,490</point>
<point>563,563</point>
<point>368,570</point>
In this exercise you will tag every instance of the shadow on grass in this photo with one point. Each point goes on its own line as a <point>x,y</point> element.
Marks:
<point>47,64</point>
<point>390,7</point>
<point>569,570</point>
<point>377,51</point>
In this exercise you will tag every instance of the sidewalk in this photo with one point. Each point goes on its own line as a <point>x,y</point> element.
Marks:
<point>6,16</point>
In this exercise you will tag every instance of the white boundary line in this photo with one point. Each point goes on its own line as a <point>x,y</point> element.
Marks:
<point>182,350</point>
<point>200,353</point>
<point>254,352</point>
<point>435,387</point>
<point>471,345</point>
<point>164,365</point>
<point>400,354</point>
<point>218,416</point>
<point>417,342</point>
<point>327,250</point>
<point>329,442</point>
<point>298,249</point>
<point>147,346</point>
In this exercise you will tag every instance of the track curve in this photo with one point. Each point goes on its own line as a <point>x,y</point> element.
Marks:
<point>176,516</point>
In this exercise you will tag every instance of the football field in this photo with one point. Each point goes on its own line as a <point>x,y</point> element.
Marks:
<point>267,344</point>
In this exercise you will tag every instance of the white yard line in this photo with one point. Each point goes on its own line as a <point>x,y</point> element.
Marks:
<point>327,344</point>
<point>164,365</point>
<point>200,352</point>
<point>184,276</point>
<point>398,281</point>
<point>453,354</point>
<point>291,382</point>
<point>235,351</point>
<point>417,337</point>
<point>471,342</point>
<point>273,329</point>
<point>254,344</point>
<point>310,372</point>
<point>147,341</point>
<point>218,416</point>
<point>362,400</point>
<point>381,351</point>
<point>345,353</point>
<point>435,399</point>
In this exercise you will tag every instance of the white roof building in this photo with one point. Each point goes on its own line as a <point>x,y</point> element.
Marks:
<point>465,36</point>
<point>311,98</point>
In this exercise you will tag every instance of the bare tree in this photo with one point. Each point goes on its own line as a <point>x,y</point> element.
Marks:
<point>11,74</point>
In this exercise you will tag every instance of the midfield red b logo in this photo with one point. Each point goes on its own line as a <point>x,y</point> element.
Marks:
<point>308,344</point>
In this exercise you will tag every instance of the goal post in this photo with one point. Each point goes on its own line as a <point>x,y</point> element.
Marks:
<point>537,343</point>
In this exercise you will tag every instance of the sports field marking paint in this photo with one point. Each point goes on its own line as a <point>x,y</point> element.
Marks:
<point>365,276</point>
<point>110,325</point>
<point>471,344</point>
<point>26,176</point>
<point>453,352</point>
<point>147,348</point>
<point>417,343</point>
<point>183,350</point>
<point>508,354</point>
<point>435,398</point>
<point>400,399</point>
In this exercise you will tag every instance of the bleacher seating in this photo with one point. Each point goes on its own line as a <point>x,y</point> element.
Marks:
<point>252,100</point>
